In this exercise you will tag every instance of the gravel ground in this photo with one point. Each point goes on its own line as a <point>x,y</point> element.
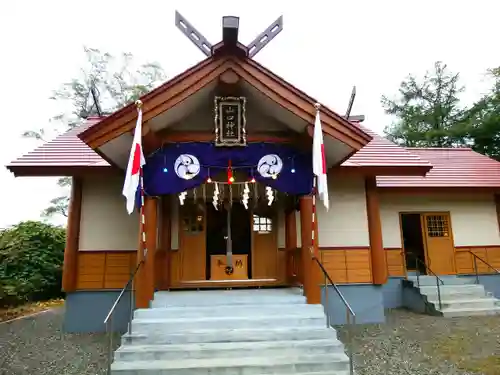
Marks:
<point>407,344</point>
<point>38,346</point>
<point>419,344</point>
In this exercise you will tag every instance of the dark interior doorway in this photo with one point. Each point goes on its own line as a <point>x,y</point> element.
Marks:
<point>413,242</point>
<point>217,233</point>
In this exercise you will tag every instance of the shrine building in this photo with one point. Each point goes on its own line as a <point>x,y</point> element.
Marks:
<point>228,155</point>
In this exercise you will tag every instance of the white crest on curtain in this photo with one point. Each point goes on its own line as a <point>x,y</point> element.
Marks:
<point>187,166</point>
<point>270,165</point>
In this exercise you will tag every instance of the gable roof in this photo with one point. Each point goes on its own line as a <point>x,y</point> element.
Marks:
<point>195,78</point>
<point>67,151</point>
<point>385,156</point>
<point>452,167</point>
<point>63,153</point>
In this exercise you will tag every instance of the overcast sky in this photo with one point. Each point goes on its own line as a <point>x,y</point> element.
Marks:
<point>326,47</point>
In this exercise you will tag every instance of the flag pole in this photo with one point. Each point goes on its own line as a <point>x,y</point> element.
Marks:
<point>314,189</point>
<point>138,104</point>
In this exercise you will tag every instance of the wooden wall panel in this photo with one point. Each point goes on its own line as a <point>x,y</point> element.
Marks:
<point>91,268</point>
<point>161,269</point>
<point>465,260</point>
<point>351,265</point>
<point>395,262</point>
<point>493,255</point>
<point>175,267</point>
<point>104,270</point>
<point>335,264</point>
<point>117,271</point>
<point>281,264</point>
<point>358,266</point>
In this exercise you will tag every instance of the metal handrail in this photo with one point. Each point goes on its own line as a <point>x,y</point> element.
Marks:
<point>349,311</point>
<point>109,318</point>
<point>476,257</point>
<point>438,280</point>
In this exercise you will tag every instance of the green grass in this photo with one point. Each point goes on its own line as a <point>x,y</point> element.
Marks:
<point>9,313</point>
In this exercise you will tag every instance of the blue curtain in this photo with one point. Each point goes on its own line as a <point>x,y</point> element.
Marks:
<point>199,159</point>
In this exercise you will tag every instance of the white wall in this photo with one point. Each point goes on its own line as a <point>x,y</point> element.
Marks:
<point>473,217</point>
<point>104,223</point>
<point>346,222</point>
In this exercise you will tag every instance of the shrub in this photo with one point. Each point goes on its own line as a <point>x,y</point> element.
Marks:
<point>31,258</point>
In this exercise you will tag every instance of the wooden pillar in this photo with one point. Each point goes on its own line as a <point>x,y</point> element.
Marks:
<point>378,258</point>
<point>70,265</point>
<point>497,205</point>
<point>145,278</point>
<point>311,272</point>
<point>162,262</point>
<point>290,243</point>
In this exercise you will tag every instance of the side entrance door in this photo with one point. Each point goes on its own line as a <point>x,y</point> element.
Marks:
<point>439,243</point>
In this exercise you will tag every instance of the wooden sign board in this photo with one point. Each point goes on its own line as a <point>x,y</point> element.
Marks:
<point>230,121</point>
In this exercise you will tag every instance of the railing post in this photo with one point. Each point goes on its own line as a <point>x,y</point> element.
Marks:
<point>109,329</point>
<point>349,342</point>
<point>439,293</point>
<point>348,310</point>
<point>326,304</point>
<point>131,307</point>
<point>475,268</point>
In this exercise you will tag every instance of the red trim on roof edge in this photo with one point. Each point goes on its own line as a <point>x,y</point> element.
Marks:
<point>366,136</point>
<point>85,135</point>
<point>157,91</point>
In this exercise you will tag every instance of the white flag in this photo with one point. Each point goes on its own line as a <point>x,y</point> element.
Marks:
<point>135,162</point>
<point>319,161</point>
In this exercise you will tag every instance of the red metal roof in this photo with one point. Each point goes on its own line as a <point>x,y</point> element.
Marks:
<point>381,152</point>
<point>66,150</point>
<point>452,167</point>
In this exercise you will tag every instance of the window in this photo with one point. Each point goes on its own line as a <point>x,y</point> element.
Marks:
<point>437,225</point>
<point>262,224</point>
<point>192,219</point>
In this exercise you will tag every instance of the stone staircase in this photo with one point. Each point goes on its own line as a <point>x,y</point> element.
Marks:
<point>459,296</point>
<point>231,332</point>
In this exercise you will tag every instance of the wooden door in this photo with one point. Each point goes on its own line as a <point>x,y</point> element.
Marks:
<point>439,243</point>
<point>264,247</point>
<point>192,241</point>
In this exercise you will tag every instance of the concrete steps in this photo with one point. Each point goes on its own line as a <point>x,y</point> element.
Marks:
<point>231,335</point>
<point>459,297</point>
<point>427,280</point>
<point>298,309</point>
<point>235,366</point>
<point>229,350</point>
<point>487,302</point>
<point>214,298</point>
<point>475,311</point>
<point>237,332</point>
<point>228,322</point>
